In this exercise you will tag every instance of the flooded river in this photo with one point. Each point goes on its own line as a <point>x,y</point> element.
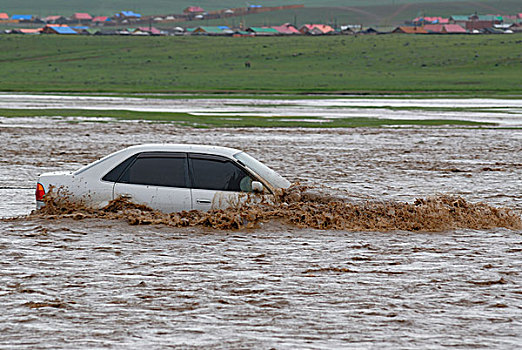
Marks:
<point>98,283</point>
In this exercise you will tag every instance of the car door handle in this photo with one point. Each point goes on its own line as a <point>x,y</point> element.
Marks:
<point>203,201</point>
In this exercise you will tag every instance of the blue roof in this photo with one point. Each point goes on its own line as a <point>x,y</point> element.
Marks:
<point>64,30</point>
<point>223,27</point>
<point>130,14</point>
<point>79,27</point>
<point>22,17</point>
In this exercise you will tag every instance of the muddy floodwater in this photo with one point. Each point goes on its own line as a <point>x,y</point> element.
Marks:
<point>99,283</point>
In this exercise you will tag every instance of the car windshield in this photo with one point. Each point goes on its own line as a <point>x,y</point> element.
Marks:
<point>262,170</point>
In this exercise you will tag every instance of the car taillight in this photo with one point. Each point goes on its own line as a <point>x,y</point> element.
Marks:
<point>40,192</point>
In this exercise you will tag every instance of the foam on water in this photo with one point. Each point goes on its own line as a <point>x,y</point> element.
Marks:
<point>305,207</point>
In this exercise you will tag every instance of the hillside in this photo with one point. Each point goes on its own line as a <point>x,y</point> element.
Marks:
<point>377,15</point>
<point>375,12</point>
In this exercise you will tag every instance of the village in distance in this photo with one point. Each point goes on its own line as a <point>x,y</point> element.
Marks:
<point>194,21</point>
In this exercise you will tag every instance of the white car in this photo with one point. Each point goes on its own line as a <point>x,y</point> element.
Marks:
<point>166,177</point>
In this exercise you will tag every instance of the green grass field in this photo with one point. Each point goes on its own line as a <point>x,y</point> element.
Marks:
<point>209,121</point>
<point>462,65</point>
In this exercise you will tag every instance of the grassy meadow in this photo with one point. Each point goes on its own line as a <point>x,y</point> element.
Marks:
<point>210,121</point>
<point>460,64</point>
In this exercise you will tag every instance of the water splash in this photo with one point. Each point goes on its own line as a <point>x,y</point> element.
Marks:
<point>306,207</point>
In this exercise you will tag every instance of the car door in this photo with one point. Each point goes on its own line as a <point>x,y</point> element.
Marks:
<point>217,182</point>
<point>159,180</point>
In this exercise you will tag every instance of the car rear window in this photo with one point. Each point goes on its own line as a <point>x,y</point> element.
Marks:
<point>220,174</point>
<point>157,170</point>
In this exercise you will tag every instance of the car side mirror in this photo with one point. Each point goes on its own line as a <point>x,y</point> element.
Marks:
<point>257,186</point>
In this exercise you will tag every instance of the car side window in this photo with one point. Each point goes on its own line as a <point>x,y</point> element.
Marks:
<point>115,173</point>
<point>218,173</point>
<point>157,169</point>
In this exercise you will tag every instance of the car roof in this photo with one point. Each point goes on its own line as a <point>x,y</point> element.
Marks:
<point>167,147</point>
<point>160,147</point>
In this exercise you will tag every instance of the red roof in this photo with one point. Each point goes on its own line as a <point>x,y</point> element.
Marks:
<point>519,15</point>
<point>322,27</point>
<point>453,28</point>
<point>410,30</point>
<point>194,9</point>
<point>151,30</point>
<point>4,15</point>
<point>435,28</point>
<point>52,18</point>
<point>286,28</point>
<point>82,15</point>
<point>30,31</point>
<point>100,19</point>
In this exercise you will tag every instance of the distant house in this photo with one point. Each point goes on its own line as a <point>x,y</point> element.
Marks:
<point>316,29</point>
<point>81,30</point>
<point>22,18</point>
<point>127,15</point>
<point>81,17</point>
<point>242,33</point>
<point>147,31</point>
<point>444,29</point>
<point>30,31</point>
<point>262,31</point>
<point>516,28</point>
<point>508,19</point>
<point>409,30</point>
<point>433,28</point>
<point>4,16</point>
<point>491,31</point>
<point>58,29</point>
<point>100,19</point>
<point>453,29</point>
<point>478,25</point>
<point>503,26</point>
<point>459,19</point>
<point>287,29</point>
<point>348,29</point>
<point>193,10</point>
<point>497,19</point>
<point>104,32</point>
<point>369,31</point>
<point>57,19</point>
<point>211,30</point>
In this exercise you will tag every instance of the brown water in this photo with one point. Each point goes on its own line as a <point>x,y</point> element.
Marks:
<point>302,207</point>
<point>80,282</point>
